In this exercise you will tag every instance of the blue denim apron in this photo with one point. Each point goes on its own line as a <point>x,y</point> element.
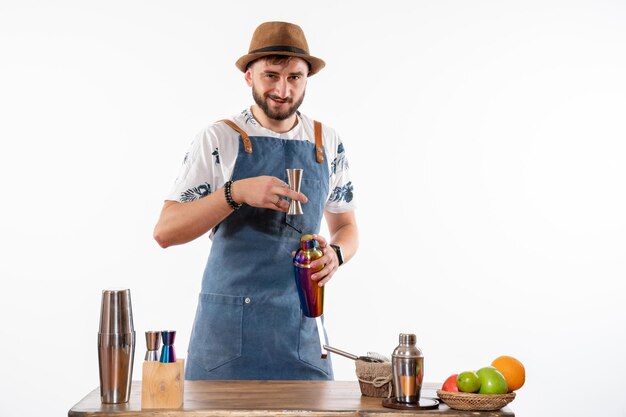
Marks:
<point>249,324</point>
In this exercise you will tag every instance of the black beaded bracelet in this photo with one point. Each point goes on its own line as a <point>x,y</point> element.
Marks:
<point>229,197</point>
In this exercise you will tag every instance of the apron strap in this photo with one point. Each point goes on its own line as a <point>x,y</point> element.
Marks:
<point>319,151</point>
<point>247,144</point>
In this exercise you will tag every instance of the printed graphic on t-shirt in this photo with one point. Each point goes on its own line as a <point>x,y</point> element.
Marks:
<point>248,117</point>
<point>344,193</point>
<point>340,163</point>
<point>195,193</point>
<point>216,154</point>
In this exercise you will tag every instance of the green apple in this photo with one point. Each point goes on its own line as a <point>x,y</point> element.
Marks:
<point>491,381</point>
<point>468,381</point>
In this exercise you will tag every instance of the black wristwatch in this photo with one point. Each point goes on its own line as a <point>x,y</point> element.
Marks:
<point>339,253</point>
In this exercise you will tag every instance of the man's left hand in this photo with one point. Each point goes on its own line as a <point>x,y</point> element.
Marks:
<point>329,260</point>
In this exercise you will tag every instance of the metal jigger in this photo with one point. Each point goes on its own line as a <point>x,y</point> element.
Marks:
<point>116,346</point>
<point>294,177</point>
<point>168,354</point>
<point>153,342</point>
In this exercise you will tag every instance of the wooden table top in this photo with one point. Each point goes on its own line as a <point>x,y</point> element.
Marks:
<point>268,398</point>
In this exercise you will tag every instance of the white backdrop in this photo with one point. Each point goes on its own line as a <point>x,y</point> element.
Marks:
<point>486,142</point>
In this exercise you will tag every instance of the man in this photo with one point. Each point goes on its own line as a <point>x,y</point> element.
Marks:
<point>249,324</point>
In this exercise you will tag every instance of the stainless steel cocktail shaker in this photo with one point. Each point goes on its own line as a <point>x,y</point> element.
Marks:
<point>116,346</point>
<point>407,363</point>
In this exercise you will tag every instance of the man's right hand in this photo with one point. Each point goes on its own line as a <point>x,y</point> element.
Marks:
<point>183,222</point>
<point>265,192</point>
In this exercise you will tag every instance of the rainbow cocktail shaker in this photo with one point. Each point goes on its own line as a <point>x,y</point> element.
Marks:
<point>311,294</point>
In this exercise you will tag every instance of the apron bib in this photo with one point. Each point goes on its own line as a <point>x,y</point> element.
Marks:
<point>248,323</point>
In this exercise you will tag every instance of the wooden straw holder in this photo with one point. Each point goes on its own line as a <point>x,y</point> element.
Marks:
<point>163,385</point>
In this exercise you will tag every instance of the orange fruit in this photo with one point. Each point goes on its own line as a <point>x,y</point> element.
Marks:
<point>512,369</point>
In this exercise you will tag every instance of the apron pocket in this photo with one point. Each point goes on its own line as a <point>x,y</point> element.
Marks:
<point>313,190</point>
<point>313,210</point>
<point>309,349</point>
<point>216,336</point>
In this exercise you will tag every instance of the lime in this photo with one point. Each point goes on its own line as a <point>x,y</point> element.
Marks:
<point>468,381</point>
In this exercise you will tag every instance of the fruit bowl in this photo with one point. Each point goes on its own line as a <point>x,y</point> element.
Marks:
<point>475,402</point>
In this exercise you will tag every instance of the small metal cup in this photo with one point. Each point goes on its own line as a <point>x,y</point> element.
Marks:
<point>153,342</point>
<point>116,346</point>
<point>294,177</point>
<point>168,353</point>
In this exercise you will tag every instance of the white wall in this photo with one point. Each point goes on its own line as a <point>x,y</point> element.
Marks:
<point>486,140</point>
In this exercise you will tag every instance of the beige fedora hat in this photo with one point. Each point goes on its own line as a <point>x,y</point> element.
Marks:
<point>279,38</point>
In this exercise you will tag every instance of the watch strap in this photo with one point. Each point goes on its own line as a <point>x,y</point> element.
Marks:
<point>339,253</point>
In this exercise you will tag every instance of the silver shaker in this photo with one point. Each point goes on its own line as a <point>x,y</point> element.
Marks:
<point>116,346</point>
<point>407,363</point>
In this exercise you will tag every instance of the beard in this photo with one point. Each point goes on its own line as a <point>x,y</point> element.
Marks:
<point>261,101</point>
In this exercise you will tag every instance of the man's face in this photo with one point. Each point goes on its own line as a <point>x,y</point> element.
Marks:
<point>278,89</point>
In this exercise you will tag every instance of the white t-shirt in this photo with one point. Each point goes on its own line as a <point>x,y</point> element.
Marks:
<point>210,161</point>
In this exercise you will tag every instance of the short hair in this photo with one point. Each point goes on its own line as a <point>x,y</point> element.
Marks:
<point>277,60</point>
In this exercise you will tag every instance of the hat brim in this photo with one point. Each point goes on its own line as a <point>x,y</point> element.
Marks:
<point>315,63</point>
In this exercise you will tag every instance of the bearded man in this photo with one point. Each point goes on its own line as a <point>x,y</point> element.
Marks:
<point>249,324</point>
